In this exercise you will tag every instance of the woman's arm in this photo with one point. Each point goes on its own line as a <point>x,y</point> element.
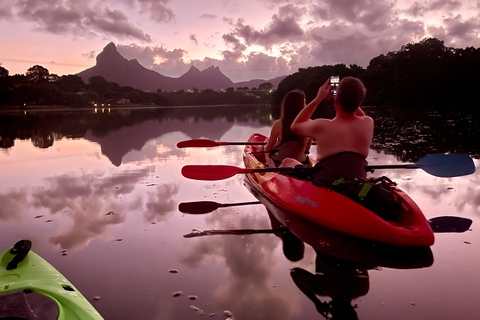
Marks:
<point>302,123</point>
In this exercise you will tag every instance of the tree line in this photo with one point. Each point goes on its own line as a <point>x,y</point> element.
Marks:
<point>426,74</point>
<point>39,87</point>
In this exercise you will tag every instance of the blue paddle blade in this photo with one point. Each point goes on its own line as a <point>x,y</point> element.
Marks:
<point>446,165</point>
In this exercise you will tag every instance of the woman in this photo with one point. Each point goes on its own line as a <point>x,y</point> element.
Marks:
<point>283,143</point>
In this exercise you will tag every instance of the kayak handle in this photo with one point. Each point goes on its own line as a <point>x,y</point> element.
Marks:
<point>20,250</point>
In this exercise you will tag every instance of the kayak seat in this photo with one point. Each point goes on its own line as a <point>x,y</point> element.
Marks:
<point>27,305</point>
<point>346,165</point>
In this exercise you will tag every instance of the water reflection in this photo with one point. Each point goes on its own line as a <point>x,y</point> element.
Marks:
<point>407,135</point>
<point>111,201</point>
<point>84,207</point>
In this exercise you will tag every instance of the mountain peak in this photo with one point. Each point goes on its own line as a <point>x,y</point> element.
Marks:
<point>110,47</point>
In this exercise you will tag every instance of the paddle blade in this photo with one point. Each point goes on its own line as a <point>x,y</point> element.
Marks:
<point>198,143</point>
<point>199,207</point>
<point>211,172</point>
<point>450,224</point>
<point>447,165</point>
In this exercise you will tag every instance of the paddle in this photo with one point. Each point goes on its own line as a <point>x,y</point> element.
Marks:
<point>198,233</point>
<point>450,224</point>
<point>444,165</point>
<point>440,165</point>
<point>201,207</point>
<point>438,224</point>
<point>205,143</point>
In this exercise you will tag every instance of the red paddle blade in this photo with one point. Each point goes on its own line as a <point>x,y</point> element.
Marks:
<point>210,172</point>
<point>198,143</point>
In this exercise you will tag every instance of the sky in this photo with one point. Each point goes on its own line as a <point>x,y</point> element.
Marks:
<point>248,39</point>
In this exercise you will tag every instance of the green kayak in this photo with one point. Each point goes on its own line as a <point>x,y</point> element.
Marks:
<point>30,288</point>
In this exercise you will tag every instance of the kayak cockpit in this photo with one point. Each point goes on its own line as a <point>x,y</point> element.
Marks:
<point>27,305</point>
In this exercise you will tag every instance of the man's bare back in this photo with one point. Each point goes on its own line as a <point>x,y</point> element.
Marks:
<point>345,133</point>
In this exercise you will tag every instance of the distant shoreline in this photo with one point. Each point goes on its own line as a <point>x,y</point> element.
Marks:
<point>46,109</point>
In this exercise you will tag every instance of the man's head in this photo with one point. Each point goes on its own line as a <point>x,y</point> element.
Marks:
<point>350,94</point>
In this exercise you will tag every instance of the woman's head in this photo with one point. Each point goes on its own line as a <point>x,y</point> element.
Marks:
<point>292,104</point>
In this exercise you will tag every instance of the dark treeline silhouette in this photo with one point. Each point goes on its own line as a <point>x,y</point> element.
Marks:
<point>426,74</point>
<point>39,87</point>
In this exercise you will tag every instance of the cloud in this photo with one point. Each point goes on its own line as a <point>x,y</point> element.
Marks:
<point>158,10</point>
<point>208,16</point>
<point>194,39</point>
<point>457,30</point>
<point>84,18</point>
<point>157,58</point>
<point>89,55</point>
<point>283,27</point>
<point>297,34</point>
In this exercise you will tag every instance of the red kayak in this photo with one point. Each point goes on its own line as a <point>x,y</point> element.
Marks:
<point>333,210</point>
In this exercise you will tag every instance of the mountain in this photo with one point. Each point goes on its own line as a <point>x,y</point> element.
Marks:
<point>115,68</point>
<point>210,78</point>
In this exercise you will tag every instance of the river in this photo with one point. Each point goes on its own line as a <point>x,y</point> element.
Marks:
<point>98,193</point>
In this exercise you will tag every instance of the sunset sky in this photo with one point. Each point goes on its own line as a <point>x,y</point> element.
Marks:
<point>247,39</point>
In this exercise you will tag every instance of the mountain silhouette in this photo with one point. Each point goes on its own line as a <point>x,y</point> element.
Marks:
<point>112,66</point>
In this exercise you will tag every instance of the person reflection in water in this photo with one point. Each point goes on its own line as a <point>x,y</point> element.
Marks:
<point>340,280</point>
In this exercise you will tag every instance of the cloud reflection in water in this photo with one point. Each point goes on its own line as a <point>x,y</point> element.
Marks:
<point>251,261</point>
<point>87,206</point>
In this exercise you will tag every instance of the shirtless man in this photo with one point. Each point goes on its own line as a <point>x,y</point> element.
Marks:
<point>345,140</point>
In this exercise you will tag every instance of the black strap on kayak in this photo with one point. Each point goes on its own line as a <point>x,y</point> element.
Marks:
<point>20,250</point>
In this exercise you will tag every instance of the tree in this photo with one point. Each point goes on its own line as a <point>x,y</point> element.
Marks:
<point>37,73</point>
<point>3,72</point>
<point>267,86</point>
<point>70,83</point>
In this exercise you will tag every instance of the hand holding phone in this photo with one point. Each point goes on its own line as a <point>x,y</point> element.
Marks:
<point>334,80</point>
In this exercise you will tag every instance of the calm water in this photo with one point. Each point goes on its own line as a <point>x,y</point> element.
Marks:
<point>98,194</point>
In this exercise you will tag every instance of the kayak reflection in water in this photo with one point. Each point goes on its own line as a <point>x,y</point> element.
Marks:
<point>340,280</point>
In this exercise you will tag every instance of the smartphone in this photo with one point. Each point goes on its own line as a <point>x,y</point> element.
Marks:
<point>334,80</point>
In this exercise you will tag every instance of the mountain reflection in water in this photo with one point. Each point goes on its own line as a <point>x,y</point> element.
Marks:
<point>98,195</point>
<point>406,134</point>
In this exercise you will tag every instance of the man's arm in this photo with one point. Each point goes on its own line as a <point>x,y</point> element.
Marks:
<point>303,125</point>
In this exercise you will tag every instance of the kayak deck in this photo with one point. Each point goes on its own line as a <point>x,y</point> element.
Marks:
<point>335,211</point>
<point>31,288</point>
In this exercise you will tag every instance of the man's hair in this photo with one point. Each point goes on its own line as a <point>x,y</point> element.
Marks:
<point>350,93</point>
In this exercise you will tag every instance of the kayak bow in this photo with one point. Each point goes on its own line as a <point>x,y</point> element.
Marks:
<point>31,288</point>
